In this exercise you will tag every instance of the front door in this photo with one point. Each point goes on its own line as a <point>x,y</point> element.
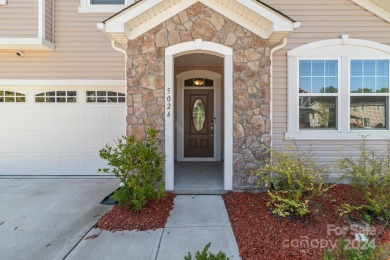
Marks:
<point>198,123</point>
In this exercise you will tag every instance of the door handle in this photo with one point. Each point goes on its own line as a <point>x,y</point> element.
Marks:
<point>212,126</point>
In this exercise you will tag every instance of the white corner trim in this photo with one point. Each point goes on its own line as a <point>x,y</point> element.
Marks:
<point>41,18</point>
<point>334,42</point>
<point>3,2</point>
<point>193,47</point>
<point>61,82</point>
<point>374,8</point>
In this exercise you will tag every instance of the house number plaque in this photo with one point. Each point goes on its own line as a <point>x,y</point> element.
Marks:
<point>169,105</point>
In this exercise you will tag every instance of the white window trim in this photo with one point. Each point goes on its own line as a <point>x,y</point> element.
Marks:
<point>344,49</point>
<point>87,7</point>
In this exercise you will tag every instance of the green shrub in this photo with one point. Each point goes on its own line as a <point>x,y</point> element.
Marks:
<point>139,166</point>
<point>344,251</point>
<point>296,179</point>
<point>205,255</point>
<point>369,173</point>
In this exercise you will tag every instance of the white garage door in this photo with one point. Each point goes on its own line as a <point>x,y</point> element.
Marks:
<point>58,131</point>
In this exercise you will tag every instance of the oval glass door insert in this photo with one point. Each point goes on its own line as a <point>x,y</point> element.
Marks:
<point>198,114</point>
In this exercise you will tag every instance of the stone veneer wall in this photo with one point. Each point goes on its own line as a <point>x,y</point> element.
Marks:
<point>251,74</point>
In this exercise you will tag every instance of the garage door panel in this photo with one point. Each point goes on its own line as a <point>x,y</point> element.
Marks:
<point>67,163</point>
<point>15,141</point>
<point>94,141</point>
<point>94,118</point>
<point>19,119</point>
<point>44,163</point>
<point>69,120</point>
<point>117,118</point>
<point>45,141</point>
<point>93,163</point>
<point>70,142</point>
<point>57,139</point>
<point>17,163</point>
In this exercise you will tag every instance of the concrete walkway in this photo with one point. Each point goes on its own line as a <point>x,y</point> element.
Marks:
<point>194,221</point>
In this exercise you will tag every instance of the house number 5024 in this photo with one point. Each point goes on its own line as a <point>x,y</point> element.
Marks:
<point>169,105</point>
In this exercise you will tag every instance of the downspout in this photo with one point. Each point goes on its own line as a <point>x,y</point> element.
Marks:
<point>276,48</point>
<point>125,88</point>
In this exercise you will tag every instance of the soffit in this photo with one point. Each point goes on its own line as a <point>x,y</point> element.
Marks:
<point>199,60</point>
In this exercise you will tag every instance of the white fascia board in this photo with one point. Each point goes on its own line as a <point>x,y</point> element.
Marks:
<point>117,22</point>
<point>26,44</point>
<point>373,8</point>
<point>225,11</point>
<point>62,82</point>
<point>275,18</point>
<point>158,19</point>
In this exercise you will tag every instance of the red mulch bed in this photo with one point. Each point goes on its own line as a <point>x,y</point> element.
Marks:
<point>260,234</point>
<point>153,216</point>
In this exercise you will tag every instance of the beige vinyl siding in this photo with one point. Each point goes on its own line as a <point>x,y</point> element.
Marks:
<point>321,20</point>
<point>49,20</point>
<point>19,19</point>
<point>82,51</point>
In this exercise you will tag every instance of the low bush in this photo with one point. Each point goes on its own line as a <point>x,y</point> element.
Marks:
<point>139,166</point>
<point>205,255</point>
<point>295,179</point>
<point>369,172</point>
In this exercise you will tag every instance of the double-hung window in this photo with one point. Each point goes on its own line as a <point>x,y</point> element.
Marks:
<point>339,89</point>
<point>369,94</point>
<point>318,92</point>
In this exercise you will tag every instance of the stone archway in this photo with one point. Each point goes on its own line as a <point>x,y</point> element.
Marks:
<point>198,46</point>
<point>199,28</point>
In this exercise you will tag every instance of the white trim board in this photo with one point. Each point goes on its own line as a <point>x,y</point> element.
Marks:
<point>198,46</point>
<point>39,44</point>
<point>61,82</point>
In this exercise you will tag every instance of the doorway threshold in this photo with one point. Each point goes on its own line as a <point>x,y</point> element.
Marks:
<point>199,178</point>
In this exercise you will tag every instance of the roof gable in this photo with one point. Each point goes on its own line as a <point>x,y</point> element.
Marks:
<point>142,16</point>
